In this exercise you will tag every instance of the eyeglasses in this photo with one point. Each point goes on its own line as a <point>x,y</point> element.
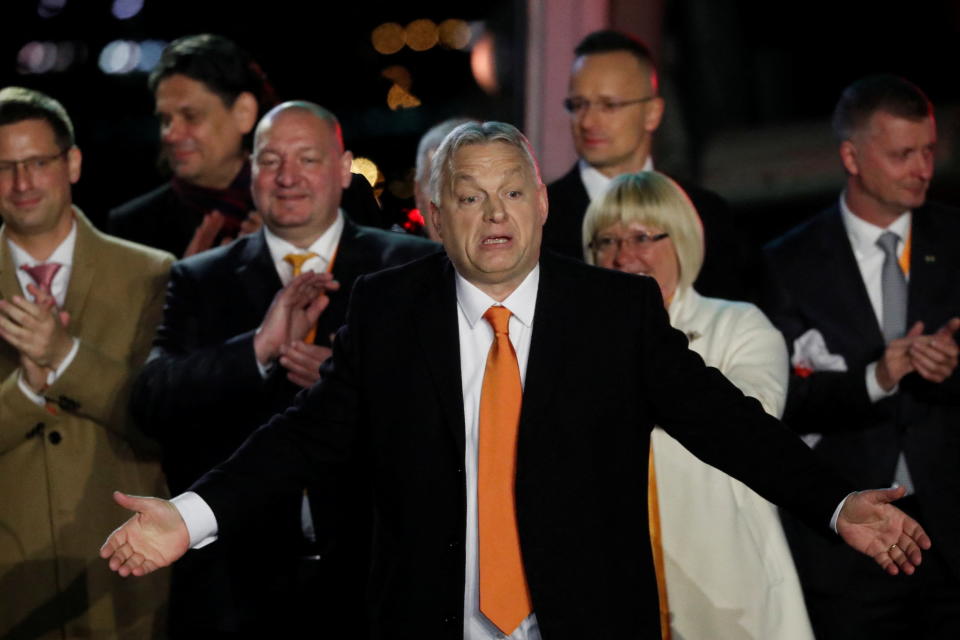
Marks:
<point>575,106</point>
<point>33,165</point>
<point>633,242</point>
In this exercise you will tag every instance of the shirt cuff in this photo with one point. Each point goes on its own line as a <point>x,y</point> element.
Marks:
<point>38,399</point>
<point>836,513</point>
<point>199,518</point>
<point>874,391</point>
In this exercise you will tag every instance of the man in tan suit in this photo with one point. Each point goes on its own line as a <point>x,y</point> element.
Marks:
<point>78,310</point>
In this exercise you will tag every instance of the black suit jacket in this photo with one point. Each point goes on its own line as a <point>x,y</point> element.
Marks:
<point>815,283</point>
<point>589,404</point>
<point>730,262</point>
<point>201,394</point>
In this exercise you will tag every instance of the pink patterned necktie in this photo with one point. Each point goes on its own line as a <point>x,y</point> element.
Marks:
<point>43,274</point>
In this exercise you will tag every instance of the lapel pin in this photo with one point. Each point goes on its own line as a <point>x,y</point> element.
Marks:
<point>692,335</point>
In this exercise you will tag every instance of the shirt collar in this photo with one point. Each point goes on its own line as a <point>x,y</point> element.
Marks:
<point>324,246</point>
<point>521,303</point>
<point>595,182</point>
<point>863,235</point>
<point>62,254</point>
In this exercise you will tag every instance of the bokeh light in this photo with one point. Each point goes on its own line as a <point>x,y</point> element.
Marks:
<point>400,98</point>
<point>388,38</point>
<point>126,9</point>
<point>120,56</point>
<point>50,8</point>
<point>483,63</point>
<point>399,75</point>
<point>367,168</point>
<point>454,33</point>
<point>422,34</point>
<point>37,57</point>
<point>150,52</point>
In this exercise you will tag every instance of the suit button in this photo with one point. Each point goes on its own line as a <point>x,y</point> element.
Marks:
<point>453,544</point>
<point>55,437</point>
<point>460,470</point>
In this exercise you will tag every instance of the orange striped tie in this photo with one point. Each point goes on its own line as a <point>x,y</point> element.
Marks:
<point>296,261</point>
<point>504,596</point>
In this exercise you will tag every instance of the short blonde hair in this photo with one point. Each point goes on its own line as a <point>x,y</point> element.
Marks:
<point>653,199</point>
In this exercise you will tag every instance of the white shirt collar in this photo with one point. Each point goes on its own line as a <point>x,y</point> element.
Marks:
<point>62,254</point>
<point>325,246</point>
<point>521,303</point>
<point>863,235</point>
<point>595,182</point>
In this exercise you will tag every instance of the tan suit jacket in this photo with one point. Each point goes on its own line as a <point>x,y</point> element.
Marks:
<point>60,463</point>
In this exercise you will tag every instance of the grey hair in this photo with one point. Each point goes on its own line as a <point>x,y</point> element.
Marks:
<point>298,105</point>
<point>476,133</point>
<point>429,143</point>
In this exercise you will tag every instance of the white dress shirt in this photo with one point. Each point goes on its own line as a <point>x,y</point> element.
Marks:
<point>325,248</point>
<point>64,255</point>
<point>476,336</point>
<point>596,183</point>
<point>863,240</point>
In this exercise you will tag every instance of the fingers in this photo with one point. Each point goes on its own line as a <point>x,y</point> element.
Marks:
<point>251,224</point>
<point>949,328</point>
<point>915,330</point>
<point>302,362</point>
<point>934,357</point>
<point>205,234</point>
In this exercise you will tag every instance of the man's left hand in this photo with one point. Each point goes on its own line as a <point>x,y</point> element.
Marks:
<point>36,329</point>
<point>871,525</point>
<point>302,362</point>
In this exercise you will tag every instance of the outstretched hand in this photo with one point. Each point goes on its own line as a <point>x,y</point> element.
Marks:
<point>154,537</point>
<point>871,525</point>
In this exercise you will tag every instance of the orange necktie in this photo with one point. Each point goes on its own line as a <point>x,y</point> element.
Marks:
<point>656,543</point>
<point>504,596</point>
<point>296,261</point>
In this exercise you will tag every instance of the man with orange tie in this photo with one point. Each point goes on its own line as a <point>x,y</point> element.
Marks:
<point>509,489</point>
<point>77,312</point>
<point>245,328</point>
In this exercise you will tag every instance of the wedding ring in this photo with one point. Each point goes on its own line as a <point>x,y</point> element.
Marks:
<point>892,547</point>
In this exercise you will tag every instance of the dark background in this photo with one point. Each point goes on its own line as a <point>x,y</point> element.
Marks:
<point>732,65</point>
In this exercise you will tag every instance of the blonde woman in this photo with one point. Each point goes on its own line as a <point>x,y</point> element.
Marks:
<point>727,567</point>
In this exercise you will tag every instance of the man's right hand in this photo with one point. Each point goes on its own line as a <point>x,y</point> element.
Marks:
<point>294,310</point>
<point>154,537</point>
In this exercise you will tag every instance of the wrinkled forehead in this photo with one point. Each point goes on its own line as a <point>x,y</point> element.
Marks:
<point>488,160</point>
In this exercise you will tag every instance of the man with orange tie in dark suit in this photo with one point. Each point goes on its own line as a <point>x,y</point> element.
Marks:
<point>231,352</point>
<point>867,295</point>
<point>509,490</point>
<point>77,312</point>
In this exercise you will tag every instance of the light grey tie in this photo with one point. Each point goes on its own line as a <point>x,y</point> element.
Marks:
<point>893,286</point>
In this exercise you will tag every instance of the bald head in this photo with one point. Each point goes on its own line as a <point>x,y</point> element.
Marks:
<point>299,171</point>
<point>302,107</point>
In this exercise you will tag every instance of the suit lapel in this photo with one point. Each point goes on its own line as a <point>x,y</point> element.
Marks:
<point>543,362</point>
<point>9,285</point>
<point>83,271</point>
<point>837,267</point>
<point>347,267</point>
<point>257,275</point>
<point>439,337</point>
